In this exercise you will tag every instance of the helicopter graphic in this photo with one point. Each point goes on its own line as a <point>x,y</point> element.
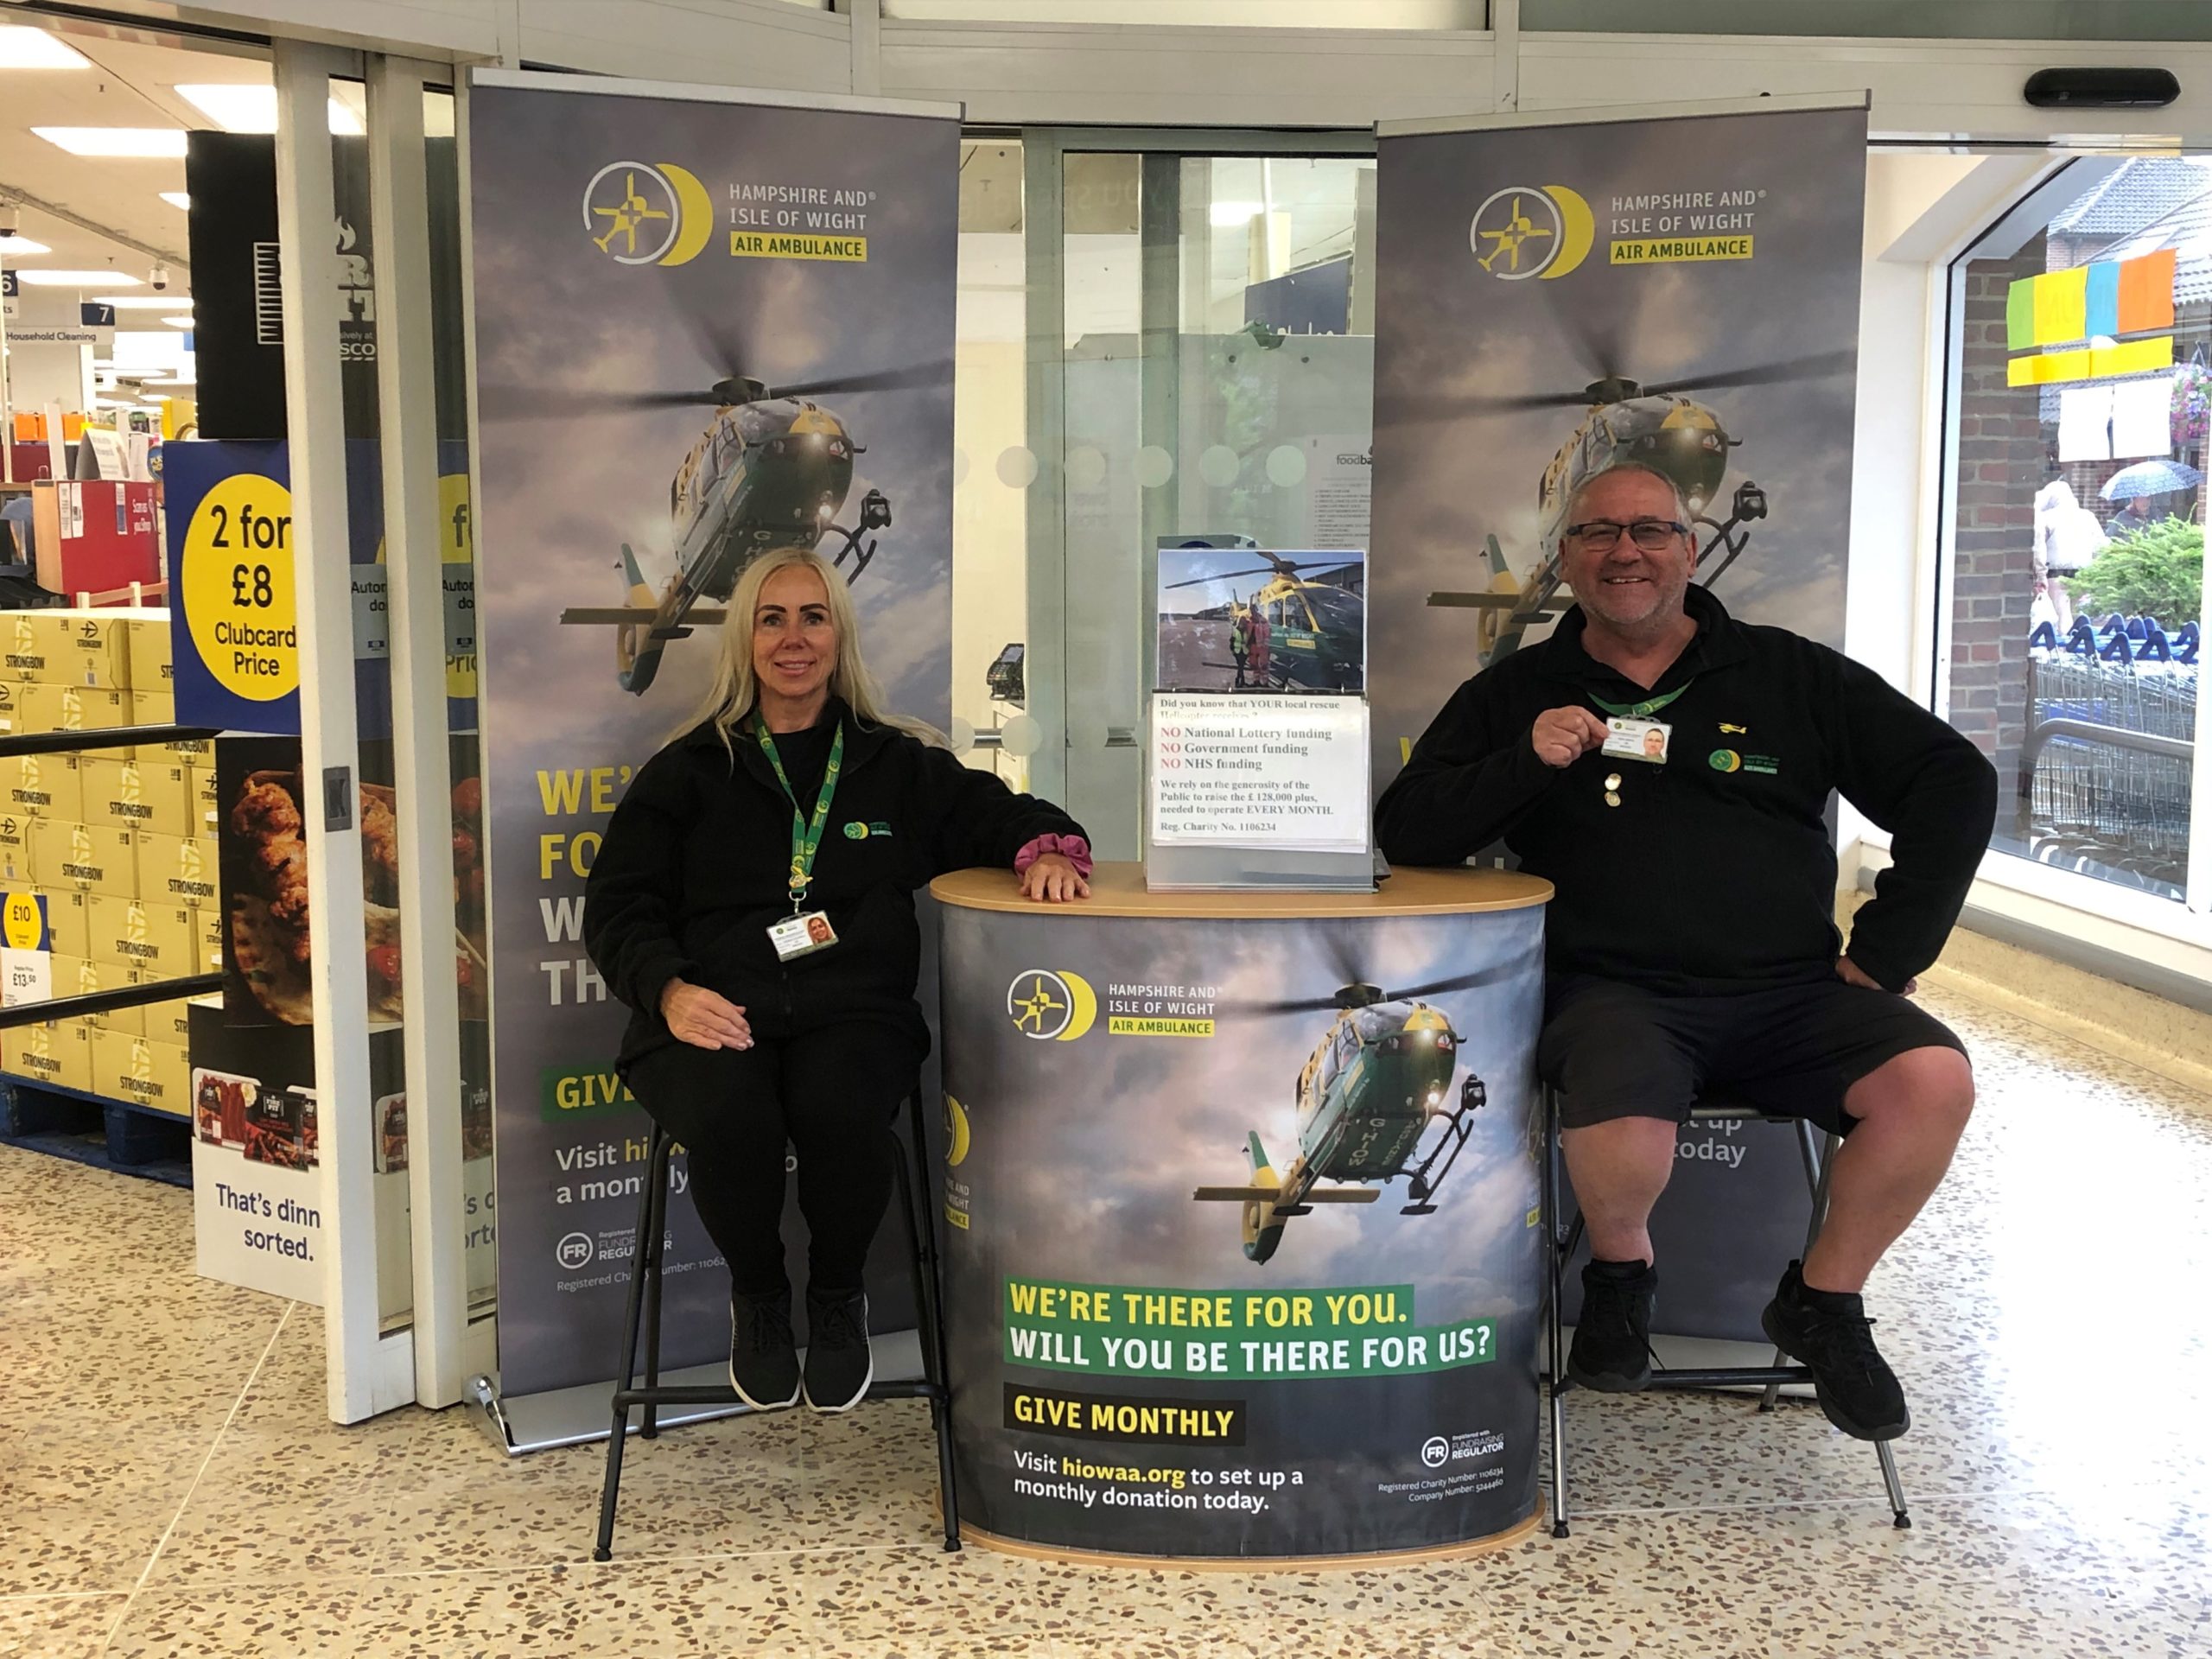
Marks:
<point>771,468</point>
<point>1318,631</point>
<point>1661,426</point>
<point>1367,1096</point>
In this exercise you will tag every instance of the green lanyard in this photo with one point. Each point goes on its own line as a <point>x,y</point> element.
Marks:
<point>806,837</point>
<point>1642,710</point>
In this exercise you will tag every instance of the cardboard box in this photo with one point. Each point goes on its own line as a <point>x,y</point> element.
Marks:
<point>152,670</point>
<point>59,1056</point>
<point>206,800</point>
<point>177,870</point>
<point>89,857</point>
<point>146,1073</point>
<point>73,709</point>
<point>93,648</point>
<point>208,918</point>
<point>12,693</point>
<point>24,646</point>
<point>164,1022</point>
<point>198,753</point>
<point>68,920</point>
<point>154,708</point>
<point>42,786</point>
<point>81,977</point>
<point>153,795</point>
<point>16,850</point>
<point>160,940</point>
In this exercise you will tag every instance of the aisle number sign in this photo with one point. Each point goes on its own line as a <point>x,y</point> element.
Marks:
<point>25,961</point>
<point>234,619</point>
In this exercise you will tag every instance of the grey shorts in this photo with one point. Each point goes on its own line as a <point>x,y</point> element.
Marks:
<point>1614,1051</point>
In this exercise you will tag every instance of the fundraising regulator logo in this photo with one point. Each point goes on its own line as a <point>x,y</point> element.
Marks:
<point>648,213</point>
<point>1523,231</point>
<point>1051,1006</point>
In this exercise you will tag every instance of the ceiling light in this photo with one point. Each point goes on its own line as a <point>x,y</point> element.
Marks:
<point>165,142</point>
<point>13,246</point>
<point>178,199</point>
<point>240,106</point>
<point>80,279</point>
<point>1226,215</point>
<point>146,302</point>
<point>178,322</point>
<point>34,48</point>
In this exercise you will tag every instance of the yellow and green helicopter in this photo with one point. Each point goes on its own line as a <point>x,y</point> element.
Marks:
<point>1369,1096</point>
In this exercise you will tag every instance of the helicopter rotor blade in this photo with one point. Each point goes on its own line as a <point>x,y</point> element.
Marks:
<point>915,377</point>
<point>1226,575</point>
<point>721,341</point>
<point>1438,408</point>
<point>1475,981</point>
<point>1815,367</point>
<point>507,403</point>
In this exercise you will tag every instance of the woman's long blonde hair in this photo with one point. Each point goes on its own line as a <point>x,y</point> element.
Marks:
<point>734,689</point>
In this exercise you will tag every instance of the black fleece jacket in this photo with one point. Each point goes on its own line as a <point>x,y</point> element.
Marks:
<point>697,858</point>
<point>1715,872</point>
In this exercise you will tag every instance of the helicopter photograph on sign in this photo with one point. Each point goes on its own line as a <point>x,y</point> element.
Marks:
<point>1239,618</point>
<point>1377,1101</point>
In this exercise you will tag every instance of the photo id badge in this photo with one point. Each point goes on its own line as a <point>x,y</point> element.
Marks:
<point>802,935</point>
<point>1636,740</point>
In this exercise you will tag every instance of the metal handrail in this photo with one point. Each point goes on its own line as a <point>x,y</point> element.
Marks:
<point>128,996</point>
<point>113,737</point>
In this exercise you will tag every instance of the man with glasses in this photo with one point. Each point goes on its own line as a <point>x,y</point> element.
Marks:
<point>1668,769</point>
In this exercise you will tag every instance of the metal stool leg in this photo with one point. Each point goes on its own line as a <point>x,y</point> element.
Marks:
<point>1555,1384</point>
<point>929,1314</point>
<point>641,1257</point>
<point>656,1235</point>
<point>1898,1518</point>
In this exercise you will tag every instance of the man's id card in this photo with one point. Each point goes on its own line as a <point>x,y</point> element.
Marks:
<point>802,935</point>
<point>1636,740</point>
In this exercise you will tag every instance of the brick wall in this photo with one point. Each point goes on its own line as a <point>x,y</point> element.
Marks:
<point>2001,465</point>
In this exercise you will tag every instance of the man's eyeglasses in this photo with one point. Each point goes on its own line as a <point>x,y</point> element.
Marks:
<point>1600,535</point>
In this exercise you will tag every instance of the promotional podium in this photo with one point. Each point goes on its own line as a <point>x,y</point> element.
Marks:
<point>1243,1261</point>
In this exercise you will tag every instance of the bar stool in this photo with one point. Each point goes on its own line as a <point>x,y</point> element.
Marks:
<point>645,1303</point>
<point>1815,1155</point>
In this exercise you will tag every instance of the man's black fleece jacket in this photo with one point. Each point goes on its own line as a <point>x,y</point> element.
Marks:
<point>1715,872</point>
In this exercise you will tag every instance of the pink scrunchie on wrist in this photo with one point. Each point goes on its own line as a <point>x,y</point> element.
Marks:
<point>1074,848</point>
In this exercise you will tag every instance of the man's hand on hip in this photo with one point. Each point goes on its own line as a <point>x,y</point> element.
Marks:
<point>1563,736</point>
<point>1851,974</point>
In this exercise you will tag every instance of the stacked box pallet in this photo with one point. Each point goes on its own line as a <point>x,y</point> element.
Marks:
<point>118,841</point>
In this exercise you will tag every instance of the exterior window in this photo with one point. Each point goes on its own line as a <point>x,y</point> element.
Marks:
<point>2076,594</point>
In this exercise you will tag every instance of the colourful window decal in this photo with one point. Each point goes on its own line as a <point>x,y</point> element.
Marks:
<point>2091,362</point>
<point>2129,296</point>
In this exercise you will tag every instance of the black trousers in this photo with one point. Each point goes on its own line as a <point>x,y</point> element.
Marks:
<point>829,1094</point>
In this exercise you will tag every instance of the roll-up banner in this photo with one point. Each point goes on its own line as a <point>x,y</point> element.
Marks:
<point>1560,292</point>
<point>694,309</point>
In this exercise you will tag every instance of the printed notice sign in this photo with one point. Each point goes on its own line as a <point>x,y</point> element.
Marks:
<point>1260,771</point>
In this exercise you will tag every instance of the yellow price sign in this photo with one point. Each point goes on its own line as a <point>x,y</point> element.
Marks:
<point>240,600</point>
<point>23,921</point>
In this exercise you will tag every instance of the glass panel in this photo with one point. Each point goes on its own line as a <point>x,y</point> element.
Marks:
<point>2079,544</point>
<point>1218,335</point>
<point>1210,14</point>
<point>990,540</point>
<point>1995,20</point>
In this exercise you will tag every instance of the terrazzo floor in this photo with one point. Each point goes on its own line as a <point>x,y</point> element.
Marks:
<point>169,1484</point>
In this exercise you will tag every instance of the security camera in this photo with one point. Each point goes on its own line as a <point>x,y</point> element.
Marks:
<point>159,276</point>
<point>12,220</point>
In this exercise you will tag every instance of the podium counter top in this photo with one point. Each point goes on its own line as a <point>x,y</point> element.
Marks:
<point>1119,890</point>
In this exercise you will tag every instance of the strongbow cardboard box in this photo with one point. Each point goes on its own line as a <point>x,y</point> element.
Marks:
<point>68,920</point>
<point>162,940</point>
<point>176,870</point>
<point>42,786</point>
<point>152,795</point>
<point>93,648</point>
<point>57,1055</point>
<point>73,709</point>
<point>125,1066</point>
<point>90,857</point>
<point>16,851</point>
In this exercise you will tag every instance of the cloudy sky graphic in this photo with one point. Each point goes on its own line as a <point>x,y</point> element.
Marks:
<point>1448,472</point>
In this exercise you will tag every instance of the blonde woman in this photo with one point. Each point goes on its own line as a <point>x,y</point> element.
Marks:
<point>754,906</point>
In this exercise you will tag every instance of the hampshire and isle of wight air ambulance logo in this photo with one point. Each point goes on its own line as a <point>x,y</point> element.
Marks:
<point>1523,232</point>
<point>640,214</point>
<point>1051,1006</point>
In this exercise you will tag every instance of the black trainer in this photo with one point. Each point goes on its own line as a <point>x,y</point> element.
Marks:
<point>1612,1339</point>
<point>1854,1384</point>
<point>839,1363</point>
<point>763,1357</point>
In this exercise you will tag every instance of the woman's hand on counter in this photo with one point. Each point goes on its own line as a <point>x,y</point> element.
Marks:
<point>1054,879</point>
<point>702,1019</point>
